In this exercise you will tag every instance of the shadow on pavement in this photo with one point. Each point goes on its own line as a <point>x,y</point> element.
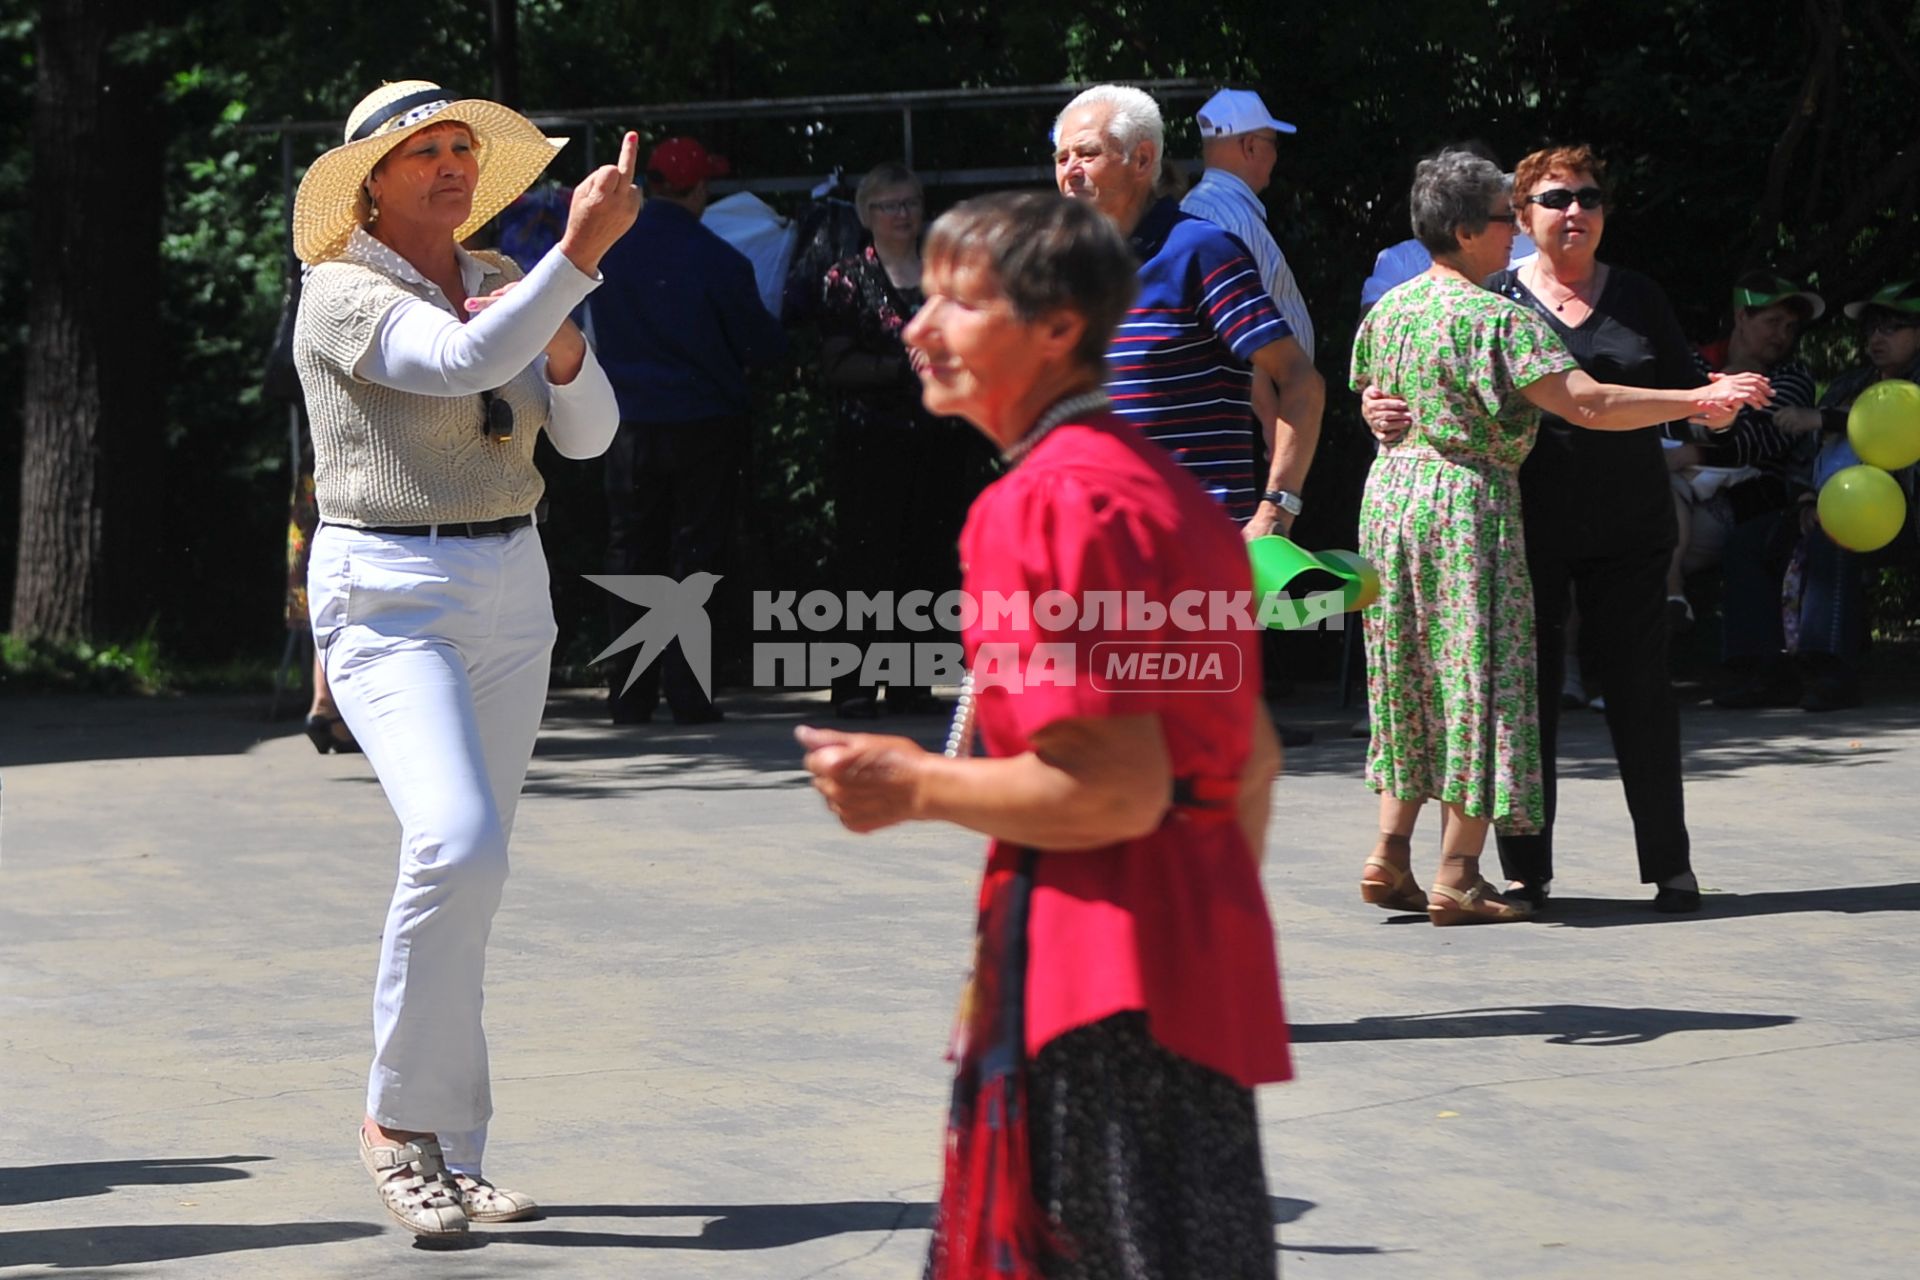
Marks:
<point>1559,1023</point>
<point>1715,742</point>
<point>1288,1210</point>
<point>62,729</point>
<point>68,1247</point>
<point>733,1226</point>
<point>1605,913</point>
<point>35,1183</point>
<point>777,1226</point>
<point>663,756</point>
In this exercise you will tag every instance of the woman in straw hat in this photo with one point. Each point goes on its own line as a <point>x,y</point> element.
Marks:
<point>429,371</point>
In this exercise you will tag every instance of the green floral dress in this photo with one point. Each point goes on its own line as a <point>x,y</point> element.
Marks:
<point>1450,647</point>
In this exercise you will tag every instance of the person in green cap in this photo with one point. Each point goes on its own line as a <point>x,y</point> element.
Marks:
<point>1723,479</point>
<point>1795,604</point>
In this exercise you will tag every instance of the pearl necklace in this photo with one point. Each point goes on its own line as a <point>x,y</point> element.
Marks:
<point>1071,407</point>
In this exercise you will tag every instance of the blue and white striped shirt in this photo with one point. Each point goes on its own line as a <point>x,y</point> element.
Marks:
<point>1179,367</point>
<point>1227,202</point>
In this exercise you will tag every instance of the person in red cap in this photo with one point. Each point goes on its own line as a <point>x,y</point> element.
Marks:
<point>679,321</point>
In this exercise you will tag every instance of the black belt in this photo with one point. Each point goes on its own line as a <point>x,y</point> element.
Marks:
<point>468,529</point>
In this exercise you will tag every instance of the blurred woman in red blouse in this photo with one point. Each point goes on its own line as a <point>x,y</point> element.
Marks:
<point>1126,997</point>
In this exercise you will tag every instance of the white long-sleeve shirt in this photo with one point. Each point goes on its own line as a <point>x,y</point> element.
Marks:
<point>422,346</point>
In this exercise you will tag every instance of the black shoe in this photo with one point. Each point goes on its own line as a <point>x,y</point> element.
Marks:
<point>320,732</point>
<point>1534,895</point>
<point>861,706</point>
<point>1290,737</point>
<point>624,713</point>
<point>1676,902</point>
<point>1776,686</point>
<point>708,714</point>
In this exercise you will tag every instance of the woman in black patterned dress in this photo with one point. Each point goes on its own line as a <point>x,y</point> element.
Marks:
<point>901,478</point>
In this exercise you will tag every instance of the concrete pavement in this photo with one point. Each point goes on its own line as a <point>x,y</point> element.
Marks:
<point>717,1019</point>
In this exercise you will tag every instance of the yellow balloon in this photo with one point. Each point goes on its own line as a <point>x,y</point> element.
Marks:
<point>1884,424</point>
<point>1862,508</point>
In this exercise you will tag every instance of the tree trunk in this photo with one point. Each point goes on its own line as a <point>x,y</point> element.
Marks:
<point>505,26</point>
<point>90,316</point>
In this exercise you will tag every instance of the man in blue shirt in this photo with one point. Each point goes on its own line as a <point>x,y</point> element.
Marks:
<point>1181,365</point>
<point>677,323</point>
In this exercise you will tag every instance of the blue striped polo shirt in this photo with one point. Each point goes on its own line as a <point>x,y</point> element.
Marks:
<point>1180,365</point>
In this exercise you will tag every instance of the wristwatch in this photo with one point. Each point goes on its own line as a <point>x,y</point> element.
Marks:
<point>1287,501</point>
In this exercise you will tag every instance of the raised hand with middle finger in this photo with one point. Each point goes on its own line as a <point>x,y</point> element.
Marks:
<point>604,206</point>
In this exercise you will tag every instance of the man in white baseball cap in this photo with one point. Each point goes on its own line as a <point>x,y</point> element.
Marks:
<point>1240,145</point>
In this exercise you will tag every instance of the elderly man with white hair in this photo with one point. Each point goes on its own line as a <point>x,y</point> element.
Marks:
<point>1181,366</point>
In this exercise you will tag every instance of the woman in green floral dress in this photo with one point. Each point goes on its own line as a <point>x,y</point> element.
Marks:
<point>1450,648</point>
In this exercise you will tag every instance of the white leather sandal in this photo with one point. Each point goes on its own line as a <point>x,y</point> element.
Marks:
<point>415,1187</point>
<point>484,1202</point>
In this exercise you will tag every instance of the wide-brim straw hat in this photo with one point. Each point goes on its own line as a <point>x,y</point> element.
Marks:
<point>510,148</point>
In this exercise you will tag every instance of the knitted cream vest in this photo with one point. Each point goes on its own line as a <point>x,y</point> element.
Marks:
<point>387,457</point>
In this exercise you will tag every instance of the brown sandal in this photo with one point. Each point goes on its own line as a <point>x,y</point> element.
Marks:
<point>1402,892</point>
<point>1478,904</point>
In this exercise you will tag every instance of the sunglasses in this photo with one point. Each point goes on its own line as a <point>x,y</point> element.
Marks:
<point>499,417</point>
<point>1509,218</point>
<point>895,206</point>
<point>1563,197</point>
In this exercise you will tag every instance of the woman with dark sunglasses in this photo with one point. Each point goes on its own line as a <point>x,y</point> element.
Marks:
<point>1599,518</point>
<point>1450,643</point>
<point>1600,521</point>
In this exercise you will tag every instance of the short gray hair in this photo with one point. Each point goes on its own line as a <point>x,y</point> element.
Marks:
<point>890,173</point>
<point>1453,192</point>
<point>1136,119</point>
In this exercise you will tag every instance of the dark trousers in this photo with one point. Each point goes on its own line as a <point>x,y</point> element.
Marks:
<point>1623,625</point>
<point>1832,595</point>
<point>900,491</point>
<point>671,488</point>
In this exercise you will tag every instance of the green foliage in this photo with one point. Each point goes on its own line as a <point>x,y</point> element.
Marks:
<point>39,666</point>
<point>1893,602</point>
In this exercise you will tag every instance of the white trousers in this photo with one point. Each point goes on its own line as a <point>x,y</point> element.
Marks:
<point>437,651</point>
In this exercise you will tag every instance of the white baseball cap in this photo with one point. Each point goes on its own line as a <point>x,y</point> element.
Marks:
<point>1232,111</point>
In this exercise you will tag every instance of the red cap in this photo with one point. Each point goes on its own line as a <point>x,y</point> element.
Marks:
<point>682,163</point>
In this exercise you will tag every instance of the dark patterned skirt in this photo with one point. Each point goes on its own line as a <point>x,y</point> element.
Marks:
<point>1147,1163</point>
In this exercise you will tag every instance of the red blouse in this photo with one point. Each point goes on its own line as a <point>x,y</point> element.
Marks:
<point>1174,924</point>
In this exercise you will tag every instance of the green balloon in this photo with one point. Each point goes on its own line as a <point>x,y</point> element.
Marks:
<point>1862,508</point>
<point>1884,424</point>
